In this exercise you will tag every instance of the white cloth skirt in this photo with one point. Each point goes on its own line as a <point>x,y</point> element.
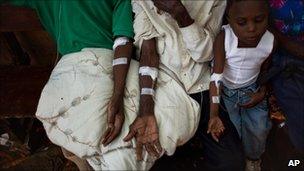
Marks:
<point>73,104</point>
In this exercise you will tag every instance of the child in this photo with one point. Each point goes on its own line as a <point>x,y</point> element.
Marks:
<point>240,52</point>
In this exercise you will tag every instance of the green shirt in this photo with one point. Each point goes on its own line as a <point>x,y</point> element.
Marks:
<point>77,24</point>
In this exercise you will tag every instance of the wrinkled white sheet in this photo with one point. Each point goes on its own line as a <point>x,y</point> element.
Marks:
<point>73,103</point>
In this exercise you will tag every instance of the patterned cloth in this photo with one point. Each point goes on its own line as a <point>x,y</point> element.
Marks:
<point>288,84</point>
<point>288,17</point>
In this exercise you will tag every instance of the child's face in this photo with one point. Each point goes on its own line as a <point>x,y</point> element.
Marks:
<point>249,20</point>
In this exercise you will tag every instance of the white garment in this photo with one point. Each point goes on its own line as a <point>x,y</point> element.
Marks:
<point>242,65</point>
<point>73,103</point>
<point>184,52</point>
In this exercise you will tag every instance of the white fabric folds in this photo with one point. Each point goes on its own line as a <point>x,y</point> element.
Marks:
<point>73,104</point>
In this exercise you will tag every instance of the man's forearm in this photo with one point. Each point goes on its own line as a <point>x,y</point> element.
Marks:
<point>120,71</point>
<point>149,58</point>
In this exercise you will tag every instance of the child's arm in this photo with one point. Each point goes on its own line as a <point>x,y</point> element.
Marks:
<point>293,47</point>
<point>258,96</point>
<point>215,125</point>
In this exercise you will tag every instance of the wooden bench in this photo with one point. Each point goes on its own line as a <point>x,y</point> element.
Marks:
<point>22,80</point>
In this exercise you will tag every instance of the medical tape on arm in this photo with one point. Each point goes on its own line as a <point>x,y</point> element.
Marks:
<point>147,91</point>
<point>120,61</point>
<point>120,41</point>
<point>148,71</point>
<point>215,99</point>
<point>216,78</point>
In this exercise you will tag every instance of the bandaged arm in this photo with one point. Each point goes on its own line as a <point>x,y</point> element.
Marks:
<point>122,56</point>
<point>148,72</point>
<point>218,68</point>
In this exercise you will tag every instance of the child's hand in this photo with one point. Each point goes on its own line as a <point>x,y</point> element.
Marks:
<point>215,127</point>
<point>255,99</point>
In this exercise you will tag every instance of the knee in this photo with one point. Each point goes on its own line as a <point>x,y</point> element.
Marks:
<point>261,133</point>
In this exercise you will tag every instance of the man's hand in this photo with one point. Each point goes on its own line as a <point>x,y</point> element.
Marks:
<point>215,127</point>
<point>255,99</point>
<point>115,119</point>
<point>176,9</point>
<point>145,130</point>
<point>115,115</point>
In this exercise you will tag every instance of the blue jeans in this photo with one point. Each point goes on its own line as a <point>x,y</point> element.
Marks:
<point>253,124</point>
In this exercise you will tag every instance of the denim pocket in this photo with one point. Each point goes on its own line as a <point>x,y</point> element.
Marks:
<point>250,89</point>
<point>226,92</point>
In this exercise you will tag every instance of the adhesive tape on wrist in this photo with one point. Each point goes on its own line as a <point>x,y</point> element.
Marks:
<point>149,71</point>
<point>215,99</point>
<point>120,41</point>
<point>147,91</point>
<point>216,78</point>
<point>120,61</point>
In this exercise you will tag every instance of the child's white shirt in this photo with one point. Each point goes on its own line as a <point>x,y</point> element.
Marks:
<point>242,65</point>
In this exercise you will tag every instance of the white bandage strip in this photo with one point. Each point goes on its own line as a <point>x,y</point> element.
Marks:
<point>120,41</point>
<point>281,125</point>
<point>147,91</point>
<point>120,61</point>
<point>216,78</point>
<point>150,71</point>
<point>215,99</point>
